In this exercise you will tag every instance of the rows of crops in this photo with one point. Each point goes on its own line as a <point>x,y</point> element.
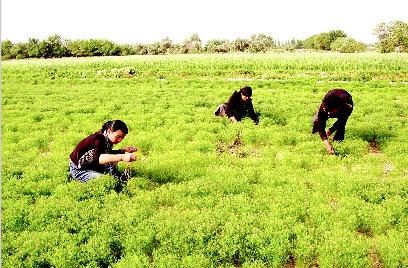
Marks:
<point>206,193</point>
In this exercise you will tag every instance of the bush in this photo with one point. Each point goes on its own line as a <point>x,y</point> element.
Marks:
<point>240,45</point>
<point>153,49</point>
<point>93,47</point>
<point>158,48</point>
<point>217,46</point>
<point>140,49</point>
<point>126,50</point>
<point>347,45</point>
<point>323,41</point>
<point>175,49</point>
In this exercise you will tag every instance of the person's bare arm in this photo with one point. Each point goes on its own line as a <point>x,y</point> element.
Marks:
<point>114,158</point>
<point>328,146</point>
<point>233,119</point>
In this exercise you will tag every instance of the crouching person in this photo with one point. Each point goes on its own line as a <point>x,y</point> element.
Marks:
<point>337,103</point>
<point>93,156</point>
<point>238,106</point>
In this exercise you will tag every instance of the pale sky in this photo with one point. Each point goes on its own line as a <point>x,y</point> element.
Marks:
<point>147,21</point>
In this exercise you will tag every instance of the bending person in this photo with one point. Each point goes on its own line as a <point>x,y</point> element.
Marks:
<point>93,156</point>
<point>337,103</point>
<point>238,106</point>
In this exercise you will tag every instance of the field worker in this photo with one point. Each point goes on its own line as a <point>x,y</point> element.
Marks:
<point>337,103</point>
<point>93,156</point>
<point>238,106</point>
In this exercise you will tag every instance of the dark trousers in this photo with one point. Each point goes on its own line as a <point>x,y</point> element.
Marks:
<point>84,175</point>
<point>339,134</point>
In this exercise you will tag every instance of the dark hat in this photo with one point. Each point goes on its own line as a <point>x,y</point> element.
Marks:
<point>246,91</point>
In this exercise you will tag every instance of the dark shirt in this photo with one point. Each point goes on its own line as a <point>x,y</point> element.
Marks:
<point>239,108</point>
<point>86,154</point>
<point>342,115</point>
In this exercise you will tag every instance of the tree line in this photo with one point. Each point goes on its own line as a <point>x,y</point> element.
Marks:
<point>392,37</point>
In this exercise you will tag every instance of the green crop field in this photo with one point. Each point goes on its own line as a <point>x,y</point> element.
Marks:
<point>205,192</point>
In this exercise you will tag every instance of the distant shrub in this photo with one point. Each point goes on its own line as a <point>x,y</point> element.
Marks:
<point>93,47</point>
<point>6,47</point>
<point>153,49</point>
<point>126,49</point>
<point>347,45</point>
<point>139,49</point>
<point>19,51</point>
<point>217,46</point>
<point>240,45</point>
<point>175,49</point>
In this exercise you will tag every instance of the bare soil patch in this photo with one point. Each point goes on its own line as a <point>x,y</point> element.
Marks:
<point>374,147</point>
<point>375,259</point>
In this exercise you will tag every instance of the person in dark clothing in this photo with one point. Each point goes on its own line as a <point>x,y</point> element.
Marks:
<point>93,156</point>
<point>337,103</point>
<point>238,106</point>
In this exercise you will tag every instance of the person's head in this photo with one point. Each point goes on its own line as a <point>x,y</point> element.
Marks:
<point>246,93</point>
<point>116,130</point>
<point>332,104</point>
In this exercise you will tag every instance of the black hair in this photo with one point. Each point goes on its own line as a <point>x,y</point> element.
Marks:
<point>246,91</point>
<point>115,125</point>
<point>332,102</point>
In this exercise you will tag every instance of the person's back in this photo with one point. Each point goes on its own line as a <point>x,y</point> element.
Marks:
<point>88,150</point>
<point>337,103</point>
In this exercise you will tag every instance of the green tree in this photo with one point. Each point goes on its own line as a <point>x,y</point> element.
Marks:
<point>20,51</point>
<point>6,47</point>
<point>392,37</point>
<point>261,43</point>
<point>52,47</point>
<point>323,41</point>
<point>165,45</point>
<point>240,45</point>
<point>192,44</point>
<point>34,48</point>
<point>106,48</point>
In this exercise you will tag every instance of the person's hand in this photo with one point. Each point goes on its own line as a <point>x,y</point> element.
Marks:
<point>329,147</point>
<point>128,157</point>
<point>129,149</point>
<point>233,119</point>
